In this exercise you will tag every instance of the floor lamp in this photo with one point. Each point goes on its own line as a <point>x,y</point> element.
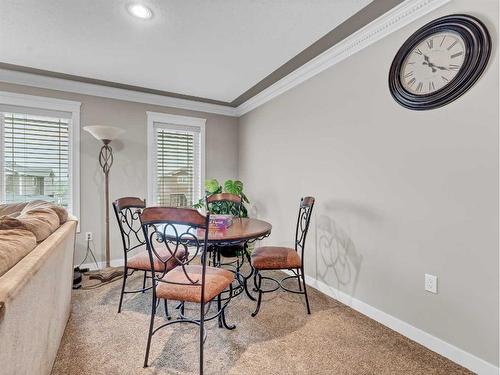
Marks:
<point>105,134</point>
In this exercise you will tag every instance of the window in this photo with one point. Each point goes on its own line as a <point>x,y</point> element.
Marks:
<point>39,159</point>
<point>175,159</point>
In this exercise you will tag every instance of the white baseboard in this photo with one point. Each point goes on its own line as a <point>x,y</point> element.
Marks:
<point>431,342</point>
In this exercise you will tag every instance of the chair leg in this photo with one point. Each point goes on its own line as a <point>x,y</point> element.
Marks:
<point>182,309</point>
<point>259,298</point>
<point>219,306</point>
<point>298,281</point>
<point>125,272</point>
<point>151,324</point>
<point>223,313</point>
<point>202,334</point>
<point>245,278</point>
<point>305,291</point>
<point>167,315</point>
<point>144,281</point>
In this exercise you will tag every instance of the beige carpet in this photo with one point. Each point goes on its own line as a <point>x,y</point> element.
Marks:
<point>282,339</point>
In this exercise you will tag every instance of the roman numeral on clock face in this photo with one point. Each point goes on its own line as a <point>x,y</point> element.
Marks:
<point>431,86</point>
<point>430,43</point>
<point>452,45</point>
<point>419,87</point>
<point>411,82</point>
<point>456,54</point>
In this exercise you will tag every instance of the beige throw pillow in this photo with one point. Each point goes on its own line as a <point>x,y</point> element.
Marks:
<point>60,211</point>
<point>42,222</point>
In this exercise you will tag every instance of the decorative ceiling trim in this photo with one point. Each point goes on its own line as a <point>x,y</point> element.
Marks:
<point>391,21</point>
<point>60,84</point>
<point>101,82</point>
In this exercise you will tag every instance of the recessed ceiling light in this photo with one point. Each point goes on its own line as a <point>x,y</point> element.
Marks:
<point>140,11</point>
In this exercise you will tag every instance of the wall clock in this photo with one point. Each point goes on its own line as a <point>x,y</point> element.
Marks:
<point>439,62</point>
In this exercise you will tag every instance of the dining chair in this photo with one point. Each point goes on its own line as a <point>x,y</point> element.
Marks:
<point>234,203</point>
<point>127,211</point>
<point>283,258</point>
<point>174,231</point>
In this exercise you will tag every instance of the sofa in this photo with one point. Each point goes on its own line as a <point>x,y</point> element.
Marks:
<point>36,273</point>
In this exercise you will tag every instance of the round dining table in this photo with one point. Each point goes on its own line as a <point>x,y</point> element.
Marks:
<point>242,232</point>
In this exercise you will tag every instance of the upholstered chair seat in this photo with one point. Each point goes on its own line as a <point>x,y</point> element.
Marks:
<point>275,257</point>
<point>284,258</point>
<point>174,287</point>
<point>141,260</point>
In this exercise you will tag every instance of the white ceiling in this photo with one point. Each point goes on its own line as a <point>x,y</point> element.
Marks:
<point>214,49</point>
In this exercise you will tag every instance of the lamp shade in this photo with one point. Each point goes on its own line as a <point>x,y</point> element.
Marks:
<point>103,132</point>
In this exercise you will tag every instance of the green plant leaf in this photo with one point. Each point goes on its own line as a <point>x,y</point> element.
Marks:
<point>212,186</point>
<point>244,197</point>
<point>233,187</point>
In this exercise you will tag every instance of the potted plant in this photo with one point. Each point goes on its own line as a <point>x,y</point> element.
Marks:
<point>212,186</point>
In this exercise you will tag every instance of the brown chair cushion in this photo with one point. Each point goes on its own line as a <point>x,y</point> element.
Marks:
<point>42,222</point>
<point>216,280</point>
<point>141,260</point>
<point>15,244</point>
<point>60,211</point>
<point>274,257</point>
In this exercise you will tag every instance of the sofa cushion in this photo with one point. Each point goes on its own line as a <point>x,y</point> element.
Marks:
<point>60,211</point>
<point>42,222</point>
<point>8,222</point>
<point>12,209</point>
<point>15,244</point>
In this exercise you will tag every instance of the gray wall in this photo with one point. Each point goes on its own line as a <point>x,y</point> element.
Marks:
<point>399,193</point>
<point>129,172</point>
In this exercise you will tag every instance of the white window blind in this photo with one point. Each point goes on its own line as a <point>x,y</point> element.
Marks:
<point>36,157</point>
<point>177,165</point>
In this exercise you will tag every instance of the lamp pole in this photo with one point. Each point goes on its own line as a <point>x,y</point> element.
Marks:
<point>105,134</point>
<point>106,161</point>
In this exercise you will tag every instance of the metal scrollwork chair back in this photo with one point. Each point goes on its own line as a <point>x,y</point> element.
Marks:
<point>232,202</point>
<point>224,202</point>
<point>182,234</point>
<point>282,258</point>
<point>127,211</point>
<point>303,220</point>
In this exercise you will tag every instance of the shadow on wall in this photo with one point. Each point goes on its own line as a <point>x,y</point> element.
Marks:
<point>338,260</point>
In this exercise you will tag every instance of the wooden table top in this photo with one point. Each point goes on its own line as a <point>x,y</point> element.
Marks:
<point>241,229</point>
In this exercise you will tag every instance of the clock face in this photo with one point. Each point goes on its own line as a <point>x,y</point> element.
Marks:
<point>433,63</point>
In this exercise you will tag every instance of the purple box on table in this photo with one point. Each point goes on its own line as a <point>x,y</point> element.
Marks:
<point>220,221</point>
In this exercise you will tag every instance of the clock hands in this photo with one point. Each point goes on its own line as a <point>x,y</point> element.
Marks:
<point>431,65</point>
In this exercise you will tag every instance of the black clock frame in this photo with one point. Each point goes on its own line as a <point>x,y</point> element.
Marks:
<point>477,52</point>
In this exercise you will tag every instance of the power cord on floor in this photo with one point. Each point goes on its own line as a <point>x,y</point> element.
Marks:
<point>78,271</point>
<point>89,251</point>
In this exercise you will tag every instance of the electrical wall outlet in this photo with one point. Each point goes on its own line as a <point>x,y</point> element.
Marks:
<point>431,283</point>
<point>89,236</point>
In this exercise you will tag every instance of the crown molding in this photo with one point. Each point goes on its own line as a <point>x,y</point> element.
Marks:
<point>393,20</point>
<point>52,83</point>
<point>390,22</point>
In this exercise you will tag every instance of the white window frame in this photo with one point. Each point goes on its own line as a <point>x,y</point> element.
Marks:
<point>173,122</point>
<point>50,104</point>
